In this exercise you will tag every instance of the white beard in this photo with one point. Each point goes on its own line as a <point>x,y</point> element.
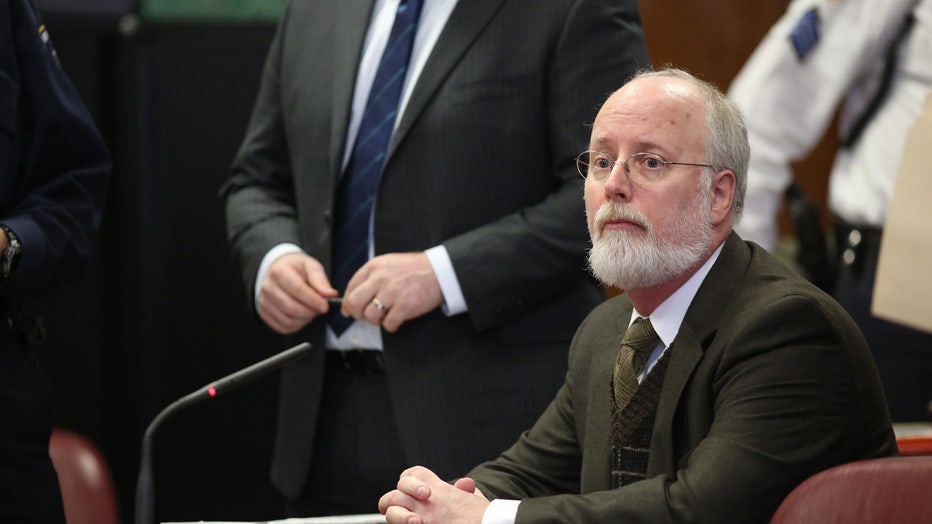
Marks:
<point>628,261</point>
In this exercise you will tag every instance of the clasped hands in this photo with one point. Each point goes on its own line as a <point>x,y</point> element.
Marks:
<point>424,498</point>
<point>296,288</point>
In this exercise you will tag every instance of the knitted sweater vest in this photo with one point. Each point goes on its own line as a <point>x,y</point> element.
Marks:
<point>632,428</point>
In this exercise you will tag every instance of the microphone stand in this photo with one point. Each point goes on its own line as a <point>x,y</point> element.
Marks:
<point>144,490</point>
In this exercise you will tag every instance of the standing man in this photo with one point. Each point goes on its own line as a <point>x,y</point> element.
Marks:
<point>416,159</point>
<point>53,176</point>
<point>876,59</point>
<point>720,379</point>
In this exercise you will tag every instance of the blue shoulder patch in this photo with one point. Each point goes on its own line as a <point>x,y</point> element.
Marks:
<point>805,35</point>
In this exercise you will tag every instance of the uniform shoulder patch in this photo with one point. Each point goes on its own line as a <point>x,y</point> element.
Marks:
<point>805,34</point>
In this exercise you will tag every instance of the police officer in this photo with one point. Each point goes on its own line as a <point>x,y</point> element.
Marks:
<point>53,175</point>
<point>876,59</point>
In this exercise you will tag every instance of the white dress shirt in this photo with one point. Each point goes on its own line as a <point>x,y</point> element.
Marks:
<point>434,16</point>
<point>788,103</point>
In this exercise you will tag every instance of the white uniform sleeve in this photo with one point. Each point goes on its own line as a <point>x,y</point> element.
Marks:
<point>788,101</point>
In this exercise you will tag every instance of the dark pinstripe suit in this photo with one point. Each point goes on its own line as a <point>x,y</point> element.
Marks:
<point>482,162</point>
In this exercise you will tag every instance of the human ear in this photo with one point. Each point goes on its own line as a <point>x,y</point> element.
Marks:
<point>723,194</point>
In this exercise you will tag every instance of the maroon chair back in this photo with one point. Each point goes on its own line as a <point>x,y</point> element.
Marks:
<point>86,484</point>
<point>895,489</point>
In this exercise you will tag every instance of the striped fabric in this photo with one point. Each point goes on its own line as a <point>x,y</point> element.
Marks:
<point>360,181</point>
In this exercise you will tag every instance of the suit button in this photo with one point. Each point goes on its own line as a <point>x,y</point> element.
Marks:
<point>328,216</point>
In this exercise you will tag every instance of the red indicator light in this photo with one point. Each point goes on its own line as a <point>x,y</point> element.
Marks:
<point>212,391</point>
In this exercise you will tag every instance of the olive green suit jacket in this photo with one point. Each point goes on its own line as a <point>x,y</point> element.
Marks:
<point>769,381</point>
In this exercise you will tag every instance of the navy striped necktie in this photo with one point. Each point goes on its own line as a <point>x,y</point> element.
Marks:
<point>360,181</point>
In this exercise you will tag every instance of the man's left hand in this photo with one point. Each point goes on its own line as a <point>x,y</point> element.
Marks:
<point>423,498</point>
<point>392,289</point>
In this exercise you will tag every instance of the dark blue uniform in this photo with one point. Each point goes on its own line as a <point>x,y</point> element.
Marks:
<point>53,176</point>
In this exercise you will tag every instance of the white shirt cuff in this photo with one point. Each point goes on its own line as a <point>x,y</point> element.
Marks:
<point>453,301</point>
<point>501,511</point>
<point>274,254</point>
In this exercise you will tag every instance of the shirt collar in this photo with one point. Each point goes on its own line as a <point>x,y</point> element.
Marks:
<point>669,315</point>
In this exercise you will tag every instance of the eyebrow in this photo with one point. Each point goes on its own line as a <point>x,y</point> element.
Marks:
<point>639,147</point>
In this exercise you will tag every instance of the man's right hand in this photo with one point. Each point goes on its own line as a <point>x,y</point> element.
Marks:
<point>294,293</point>
<point>422,497</point>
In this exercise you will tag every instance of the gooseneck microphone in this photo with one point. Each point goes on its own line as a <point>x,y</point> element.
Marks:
<point>144,494</point>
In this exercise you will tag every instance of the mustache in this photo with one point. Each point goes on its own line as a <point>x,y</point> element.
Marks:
<point>613,211</point>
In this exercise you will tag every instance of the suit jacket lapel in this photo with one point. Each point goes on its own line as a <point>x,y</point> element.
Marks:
<point>466,21</point>
<point>685,354</point>
<point>699,326</point>
<point>599,422</point>
<point>352,20</point>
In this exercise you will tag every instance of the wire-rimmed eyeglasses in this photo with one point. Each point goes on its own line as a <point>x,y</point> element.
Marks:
<point>640,167</point>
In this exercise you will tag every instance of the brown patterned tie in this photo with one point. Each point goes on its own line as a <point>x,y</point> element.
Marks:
<point>636,347</point>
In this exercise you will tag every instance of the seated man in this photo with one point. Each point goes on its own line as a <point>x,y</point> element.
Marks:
<point>741,380</point>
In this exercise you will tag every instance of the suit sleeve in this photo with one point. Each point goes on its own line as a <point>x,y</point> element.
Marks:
<point>259,195</point>
<point>55,163</point>
<point>546,459</point>
<point>537,252</point>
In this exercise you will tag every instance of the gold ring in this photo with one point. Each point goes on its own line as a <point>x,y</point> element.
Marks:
<point>378,304</point>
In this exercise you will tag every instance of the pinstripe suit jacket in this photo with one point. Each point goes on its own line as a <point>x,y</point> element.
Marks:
<point>481,162</point>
